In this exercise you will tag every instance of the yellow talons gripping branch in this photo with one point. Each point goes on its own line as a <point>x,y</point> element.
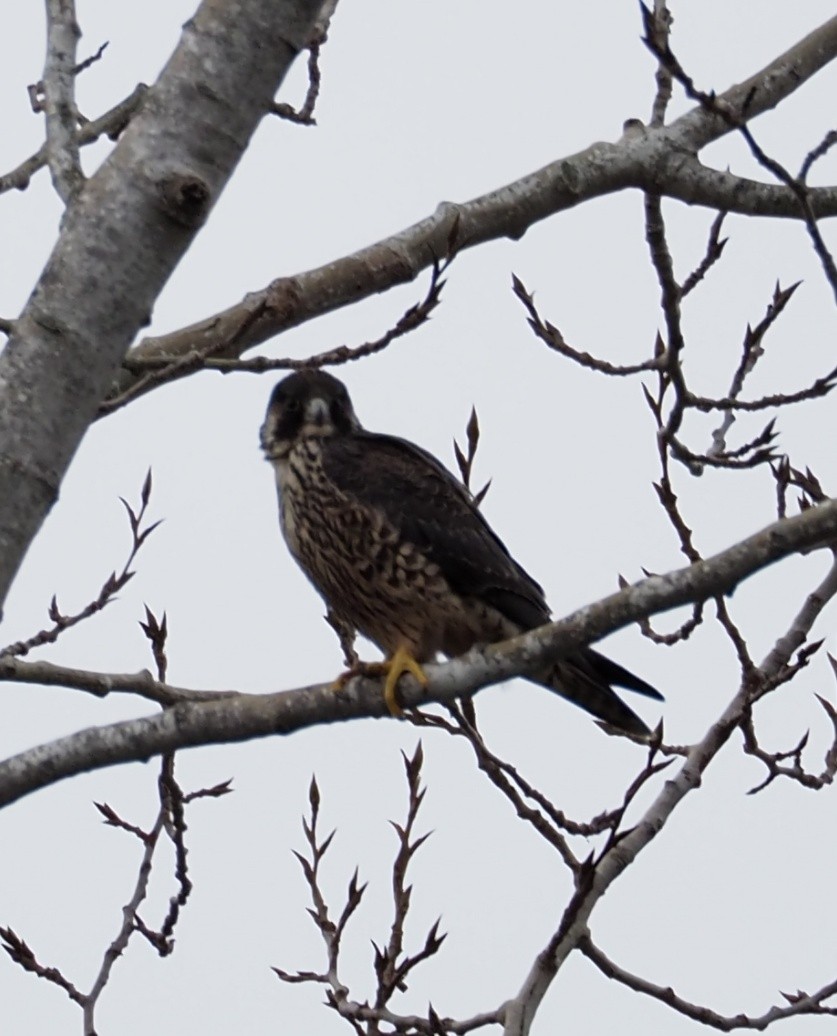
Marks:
<point>393,668</point>
<point>401,662</point>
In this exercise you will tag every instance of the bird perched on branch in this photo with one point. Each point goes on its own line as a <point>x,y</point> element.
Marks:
<point>399,551</point>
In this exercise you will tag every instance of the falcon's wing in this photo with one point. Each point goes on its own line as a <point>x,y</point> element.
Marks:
<point>436,513</point>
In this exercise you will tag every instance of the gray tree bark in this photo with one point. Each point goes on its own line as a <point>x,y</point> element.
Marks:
<point>123,233</point>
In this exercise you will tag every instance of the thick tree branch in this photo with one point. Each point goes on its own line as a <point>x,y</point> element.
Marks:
<point>599,876</point>
<point>288,302</point>
<point>596,877</point>
<point>659,160</point>
<point>161,371</point>
<point>239,717</point>
<point>763,90</point>
<point>121,239</point>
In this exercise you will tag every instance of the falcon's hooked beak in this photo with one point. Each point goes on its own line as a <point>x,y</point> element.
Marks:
<point>317,412</point>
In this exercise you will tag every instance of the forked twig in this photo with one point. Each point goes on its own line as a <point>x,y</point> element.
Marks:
<point>108,591</point>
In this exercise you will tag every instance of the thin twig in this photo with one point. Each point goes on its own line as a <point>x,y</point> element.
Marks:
<point>108,591</point>
<point>304,115</point>
<point>465,461</point>
<point>661,27</point>
<point>100,685</point>
<point>110,124</point>
<point>714,250</point>
<point>738,119</point>
<point>822,149</point>
<point>159,370</point>
<point>799,1004</point>
<point>22,954</point>
<point>82,66</point>
<point>551,336</point>
<point>751,353</point>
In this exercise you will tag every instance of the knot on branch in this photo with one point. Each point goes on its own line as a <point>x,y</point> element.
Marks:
<point>185,198</point>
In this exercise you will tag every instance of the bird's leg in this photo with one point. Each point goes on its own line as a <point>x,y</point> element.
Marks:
<point>393,669</point>
<point>346,634</point>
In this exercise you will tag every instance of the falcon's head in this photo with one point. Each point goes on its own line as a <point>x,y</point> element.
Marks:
<point>305,404</point>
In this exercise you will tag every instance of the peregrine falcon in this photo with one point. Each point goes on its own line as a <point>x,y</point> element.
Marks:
<point>399,551</point>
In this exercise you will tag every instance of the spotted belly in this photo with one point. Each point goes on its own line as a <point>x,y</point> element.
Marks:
<point>370,577</point>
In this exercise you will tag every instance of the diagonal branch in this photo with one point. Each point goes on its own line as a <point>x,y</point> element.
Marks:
<point>241,717</point>
<point>659,159</point>
<point>738,118</point>
<point>160,370</point>
<point>597,877</point>
<point>813,1003</point>
<point>121,240</point>
<point>762,91</point>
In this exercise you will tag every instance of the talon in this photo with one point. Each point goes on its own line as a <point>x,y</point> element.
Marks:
<point>401,662</point>
<point>359,669</point>
<point>393,668</point>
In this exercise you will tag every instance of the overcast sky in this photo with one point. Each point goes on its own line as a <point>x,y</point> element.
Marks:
<point>421,103</point>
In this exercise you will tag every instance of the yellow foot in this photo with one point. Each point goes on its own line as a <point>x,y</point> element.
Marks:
<point>393,668</point>
<point>401,662</point>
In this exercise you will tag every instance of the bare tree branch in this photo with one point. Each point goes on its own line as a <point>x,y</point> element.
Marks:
<point>822,149</point>
<point>111,124</point>
<point>543,816</point>
<point>63,35</point>
<point>122,238</point>
<point>238,717</point>
<point>21,953</point>
<point>596,875</point>
<point>738,117</point>
<point>169,820</point>
<point>552,337</point>
<point>656,160</point>
<point>660,26</point>
<point>108,591</point>
<point>159,370</point>
<point>714,250</point>
<point>304,115</point>
<point>391,964</point>
<point>804,1004</point>
<point>100,685</point>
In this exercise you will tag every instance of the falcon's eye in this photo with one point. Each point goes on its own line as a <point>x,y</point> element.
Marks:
<point>292,405</point>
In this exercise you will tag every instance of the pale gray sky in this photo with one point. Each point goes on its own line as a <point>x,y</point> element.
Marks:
<point>425,102</point>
